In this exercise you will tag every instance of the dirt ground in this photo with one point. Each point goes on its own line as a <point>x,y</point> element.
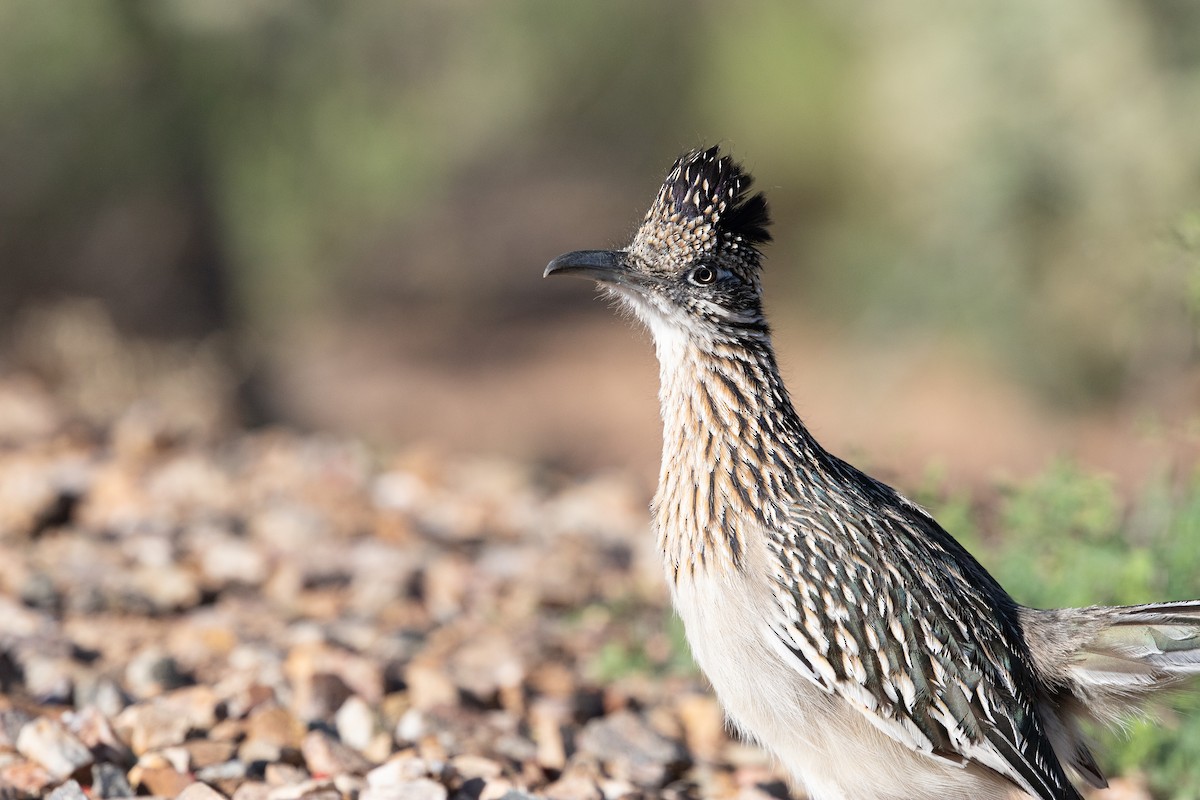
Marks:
<point>580,392</point>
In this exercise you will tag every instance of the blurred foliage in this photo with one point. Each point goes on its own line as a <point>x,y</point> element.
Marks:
<point>1001,173</point>
<point>1066,539</point>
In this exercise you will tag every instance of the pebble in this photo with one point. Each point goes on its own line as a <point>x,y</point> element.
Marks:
<point>631,749</point>
<point>324,755</point>
<point>252,790</point>
<point>25,776</point>
<point>71,790</point>
<point>199,791</point>
<point>163,781</point>
<point>51,745</point>
<point>419,789</point>
<point>320,789</point>
<point>239,617</point>
<point>151,725</point>
<point>356,723</point>
<point>109,781</point>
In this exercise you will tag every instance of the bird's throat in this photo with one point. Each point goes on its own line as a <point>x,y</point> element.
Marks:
<point>727,459</point>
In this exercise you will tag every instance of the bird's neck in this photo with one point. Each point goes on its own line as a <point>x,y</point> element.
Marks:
<point>732,446</point>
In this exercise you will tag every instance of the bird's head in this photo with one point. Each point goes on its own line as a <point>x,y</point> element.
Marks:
<point>693,266</point>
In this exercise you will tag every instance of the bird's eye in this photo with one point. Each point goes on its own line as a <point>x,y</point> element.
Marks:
<point>702,276</point>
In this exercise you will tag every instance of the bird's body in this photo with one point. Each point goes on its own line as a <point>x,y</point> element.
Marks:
<point>839,624</point>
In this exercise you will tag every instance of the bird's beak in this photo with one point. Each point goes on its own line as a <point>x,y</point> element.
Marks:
<point>606,266</point>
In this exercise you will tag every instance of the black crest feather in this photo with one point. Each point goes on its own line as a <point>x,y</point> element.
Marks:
<point>701,177</point>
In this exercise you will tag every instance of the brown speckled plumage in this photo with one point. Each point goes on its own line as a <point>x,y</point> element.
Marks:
<point>841,626</point>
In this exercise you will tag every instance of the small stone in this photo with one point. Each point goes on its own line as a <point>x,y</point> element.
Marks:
<point>631,749</point>
<point>356,723</point>
<point>204,753</point>
<point>275,724</point>
<point>703,725</point>
<point>411,726</point>
<point>225,560</point>
<point>152,672</point>
<point>224,772</point>
<point>71,790</point>
<point>281,774</point>
<point>12,720</point>
<point>96,732</point>
<point>547,716</point>
<point>50,744</point>
<point>468,766</point>
<point>419,789</point>
<point>324,755</point>
<point>200,791</point>
<point>109,781</point>
<point>163,781</point>
<point>496,789</point>
<point>400,768</point>
<point>574,787</point>
<point>101,692</point>
<point>485,665</point>
<point>150,726</point>
<point>28,777</point>
<point>252,790</point>
<point>428,687</point>
<point>322,789</point>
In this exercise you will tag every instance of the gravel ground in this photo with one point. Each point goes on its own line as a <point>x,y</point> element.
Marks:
<point>191,612</point>
<point>277,615</point>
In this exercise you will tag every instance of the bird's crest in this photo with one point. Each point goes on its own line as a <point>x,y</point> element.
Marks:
<point>704,205</point>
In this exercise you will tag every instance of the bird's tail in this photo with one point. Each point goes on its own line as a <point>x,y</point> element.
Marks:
<point>1103,663</point>
<point>1133,652</point>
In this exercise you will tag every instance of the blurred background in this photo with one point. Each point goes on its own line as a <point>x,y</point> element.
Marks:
<point>335,216</point>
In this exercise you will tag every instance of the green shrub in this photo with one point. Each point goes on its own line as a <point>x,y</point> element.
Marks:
<point>1067,539</point>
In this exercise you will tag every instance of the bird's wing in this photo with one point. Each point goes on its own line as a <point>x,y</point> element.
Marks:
<point>883,608</point>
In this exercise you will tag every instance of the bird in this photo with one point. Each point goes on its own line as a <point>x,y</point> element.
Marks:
<point>841,627</point>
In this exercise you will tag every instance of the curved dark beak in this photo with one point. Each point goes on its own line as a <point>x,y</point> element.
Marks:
<point>606,266</point>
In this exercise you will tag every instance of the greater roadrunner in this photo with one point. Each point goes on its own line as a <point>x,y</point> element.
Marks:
<point>840,625</point>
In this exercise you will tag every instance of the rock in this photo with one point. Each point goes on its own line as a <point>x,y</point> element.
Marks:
<point>547,717</point>
<point>151,725</point>
<point>163,781</point>
<point>429,687</point>
<point>703,725</point>
<point>71,790</point>
<point>96,732</point>
<point>27,777</point>
<point>321,789</point>
<point>274,724</point>
<point>153,672</point>
<point>12,720</point>
<point>280,774</point>
<point>109,781</point>
<point>200,791</point>
<point>324,755</point>
<point>419,789</point>
<point>324,676</point>
<point>206,753</point>
<point>468,767</point>
<point>225,772</point>
<point>411,726</point>
<point>398,769</point>
<point>631,749</point>
<point>252,790</point>
<point>356,723</point>
<point>225,560</point>
<point>574,787</point>
<point>513,794</point>
<point>50,744</point>
<point>102,693</point>
<point>486,664</point>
